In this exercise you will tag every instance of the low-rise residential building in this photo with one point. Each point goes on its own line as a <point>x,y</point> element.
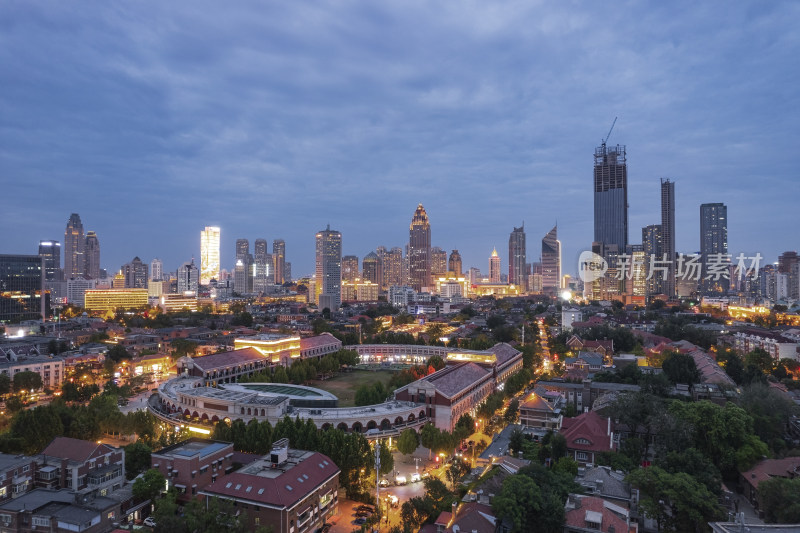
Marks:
<point>542,412</point>
<point>588,435</point>
<point>788,468</point>
<point>293,491</point>
<point>586,361</point>
<point>778,346</point>
<point>80,465</point>
<point>192,465</point>
<point>59,510</point>
<point>590,514</point>
<point>16,475</point>
<point>50,368</point>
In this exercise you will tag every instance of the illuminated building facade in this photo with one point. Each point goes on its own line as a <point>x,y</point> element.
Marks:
<point>156,270</point>
<point>651,245</point>
<point>74,247</point>
<point>517,257</point>
<point>359,290</point>
<point>494,267</point>
<point>279,260</point>
<point>328,288</point>
<point>350,268</point>
<point>188,277</point>
<point>21,288</point>
<point>393,272</point>
<point>278,349</point>
<point>668,233</point>
<point>92,256</point>
<point>419,250</point>
<point>263,275</point>
<point>551,262</point>
<point>209,254</point>
<point>50,252</point>
<point>105,300</point>
<point>452,286</point>
<point>243,268</point>
<point>438,262</point>
<point>636,277</point>
<point>454,264</point>
<point>177,302</point>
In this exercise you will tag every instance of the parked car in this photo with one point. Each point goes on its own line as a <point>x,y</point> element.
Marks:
<point>360,520</point>
<point>415,477</point>
<point>149,521</point>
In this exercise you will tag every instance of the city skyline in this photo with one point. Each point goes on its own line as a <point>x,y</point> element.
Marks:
<point>411,124</point>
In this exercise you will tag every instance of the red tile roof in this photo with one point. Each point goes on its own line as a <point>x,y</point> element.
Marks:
<point>590,427</point>
<point>72,449</point>
<point>318,340</point>
<point>473,516</point>
<point>591,504</point>
<point>769,468</point>
<point>224,359</point>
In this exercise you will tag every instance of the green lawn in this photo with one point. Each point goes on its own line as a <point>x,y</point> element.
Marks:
<point>345,384</point>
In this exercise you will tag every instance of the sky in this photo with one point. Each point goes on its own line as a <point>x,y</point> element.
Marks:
<point>271,120</point>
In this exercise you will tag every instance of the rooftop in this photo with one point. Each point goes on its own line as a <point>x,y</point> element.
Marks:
<point>220,360</point>
<point>453,379</point>
<point>194,448</point>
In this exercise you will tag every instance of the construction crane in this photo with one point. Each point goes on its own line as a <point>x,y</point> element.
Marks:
<point>609,131</point>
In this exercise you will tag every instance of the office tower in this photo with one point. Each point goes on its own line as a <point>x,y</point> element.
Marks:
<point>551,262</point>
<point>713,240</point>
<point>371,268</point>
<point>535,278</point>
<point>652,247</point>
<point>517,257</point>
<point>209,254</point>
<point>135,274</point>
<point>636,277</point>
<point>454,264</point>
<point>21,288</point>
<point>393,268</point>
<point>438,262</point>
<point>242,248</point>
<point>788,264</point>
<point>383,257</point>
<point>668,233</point>
<point>279,260</point>
<point>287,272</point>
<point>50,252</point>
<point>494,267</point>
<point>74,246</point>
<point>91,256</point>
<point>611,196</point>
<point>263,275</point>
<point>350,268</point>
<point>243,274</point>
<point>156,270</point>
<point>419,250</point>
<point>188,278</point>
<point>328,288</point>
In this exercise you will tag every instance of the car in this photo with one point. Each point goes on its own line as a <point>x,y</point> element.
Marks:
<point>149,521</point>
<point>366,508</point>
<point>384,483</point>
<point>362,514</point>
<point>415,477</point>
<point>360,520</point>
<point>401,480</point>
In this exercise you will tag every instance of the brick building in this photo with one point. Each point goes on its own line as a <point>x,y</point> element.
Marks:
<point>192,465</point>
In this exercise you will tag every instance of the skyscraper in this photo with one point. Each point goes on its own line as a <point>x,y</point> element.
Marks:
<point>279,260</point>
<point>188,277</point>
<point>156,270</point>
<point>328,286</point>
<point>652,248</point>
<point>517,257</point>
<point>551,262</point>
<point>242,248</point>
<point>209,254</point>
<point>668,233</point>
<point>419,250</point>
<point>394,274</point>
<point>74,246</point>
<point>438,262</point>
<point>263,275</point>
<point>611,196</point>
<point>50,252</point>
<point>494,267</point>
<point>92,256</point>
<point>135,274</point>
<point>383,257</point>
<point>243,268</point>
<point>22,295</point>
<point>454,263</point>
<point>713,240</point>
<point>350,268</point>
<point>371,268</point>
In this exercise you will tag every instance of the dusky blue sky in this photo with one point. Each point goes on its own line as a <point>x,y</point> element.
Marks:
<point>155,119</point>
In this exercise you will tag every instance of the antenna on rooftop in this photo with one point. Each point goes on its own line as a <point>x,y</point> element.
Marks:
<point>609,131</point>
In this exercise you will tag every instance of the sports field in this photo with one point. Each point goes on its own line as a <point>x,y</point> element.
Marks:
<point>345,384</point>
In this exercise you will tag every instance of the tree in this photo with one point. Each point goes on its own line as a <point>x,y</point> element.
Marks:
<point>512,411</point>
<point>761,359</point>
<point>25,381</point>
<point>770,411</point>
<point>558,445</point>
<point>428,435</point>
<point>519,501</point>
<point>5,384</point>
<point>408,441</point>
<point>149,486</point>
<point>117,353</point>
<point>780,500</point>
<point>681,368</point>
<point>137,459</point>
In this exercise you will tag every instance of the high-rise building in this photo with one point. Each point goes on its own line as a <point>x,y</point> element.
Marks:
<point>371,268</point>
<point>551,262</point>
<point>263,275</point>
<point>383,257</point>
<point>611,195</point>
<point>517,257</point>
<point>494,267</point>
<point>22,295</point>
<point>652,247</point>
<point>438,262</point>
<point>789,264</point>
<point>50,252</point>
<point>135,274</point>
<point>668,234</point>
<point>242,248</point>
<point>287,272</point>
<point>713,240</point>
<point>350,268</point>
<point>454,263</point>
<point>156,270</point>
<point>419,250</point>
<point>74,247</point>
<point>328,288</point>
<point>188,277</point>
<point>92,256</point>
<point>243,274</point>
<point>209,254</point>
<point>279,260</point>
<point>394,274</point>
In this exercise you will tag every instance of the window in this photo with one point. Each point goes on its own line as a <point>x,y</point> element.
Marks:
<point>582,456</point>
<point>26,468</point>
<point>40,521</point>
